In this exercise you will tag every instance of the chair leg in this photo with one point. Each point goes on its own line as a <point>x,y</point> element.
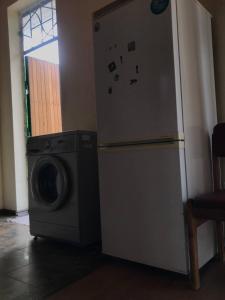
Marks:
<point>220,240</point>
<point>193,248</point>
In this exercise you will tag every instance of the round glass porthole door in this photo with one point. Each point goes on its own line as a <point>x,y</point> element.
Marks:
<point>49,183</point>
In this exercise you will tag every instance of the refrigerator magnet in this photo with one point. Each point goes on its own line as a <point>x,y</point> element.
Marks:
<point>159,6</point>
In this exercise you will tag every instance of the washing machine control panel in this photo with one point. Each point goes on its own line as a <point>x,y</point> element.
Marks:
<point>86,142</point>
<point>61,143</point>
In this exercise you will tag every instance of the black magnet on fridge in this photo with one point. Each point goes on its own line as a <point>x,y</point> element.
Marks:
<point>137,69</point>
<point>131,46</point>
<point>159,6</point>
<point>112,66</point>
<point>97,26</point>
<point>110,90</point>
<point>133,81</point>
<point>116,77</point>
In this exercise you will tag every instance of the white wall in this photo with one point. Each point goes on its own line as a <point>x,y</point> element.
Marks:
<point>7,147</point>
<point>14,178</point>
<point>1,184</point>
<point>77,62</point>
<point>18,112</point>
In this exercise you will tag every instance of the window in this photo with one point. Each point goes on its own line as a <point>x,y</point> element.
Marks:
<point>39,26</point>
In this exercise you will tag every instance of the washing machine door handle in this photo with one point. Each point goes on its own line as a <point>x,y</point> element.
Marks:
<point>49,183</point>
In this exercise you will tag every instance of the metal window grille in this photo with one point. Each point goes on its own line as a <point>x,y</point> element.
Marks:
<point>39,26</point>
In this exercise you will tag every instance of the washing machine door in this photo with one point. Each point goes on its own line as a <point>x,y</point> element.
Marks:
<point>49,183</point>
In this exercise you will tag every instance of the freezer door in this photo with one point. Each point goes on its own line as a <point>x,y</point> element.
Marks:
<point>135,80</point>
<point>142,192</point>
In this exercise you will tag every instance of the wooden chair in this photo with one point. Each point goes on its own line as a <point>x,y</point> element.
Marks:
<point>208,207</point>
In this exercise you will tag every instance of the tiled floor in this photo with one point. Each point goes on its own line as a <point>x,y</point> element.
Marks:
<point>123,281</point>
<point>46,269</point>
<point>35,269</point>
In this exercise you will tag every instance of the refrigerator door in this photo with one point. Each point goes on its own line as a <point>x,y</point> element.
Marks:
<point>135,77</point>
<point>142,188</point>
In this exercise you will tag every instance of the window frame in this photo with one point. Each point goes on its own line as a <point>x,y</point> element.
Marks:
<point>32,10</point>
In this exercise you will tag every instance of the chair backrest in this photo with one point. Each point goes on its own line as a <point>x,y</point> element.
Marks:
<point>218,140</point>
<point>218,151</point>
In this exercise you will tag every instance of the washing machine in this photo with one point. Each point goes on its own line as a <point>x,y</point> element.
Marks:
<point>63,187</point>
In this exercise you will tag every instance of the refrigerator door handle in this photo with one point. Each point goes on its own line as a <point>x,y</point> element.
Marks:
<point>175,145</point>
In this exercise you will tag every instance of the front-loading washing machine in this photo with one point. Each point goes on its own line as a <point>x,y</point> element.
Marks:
<point>63,187</point>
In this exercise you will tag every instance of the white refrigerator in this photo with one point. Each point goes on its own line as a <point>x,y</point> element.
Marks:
<point>156,109</point>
